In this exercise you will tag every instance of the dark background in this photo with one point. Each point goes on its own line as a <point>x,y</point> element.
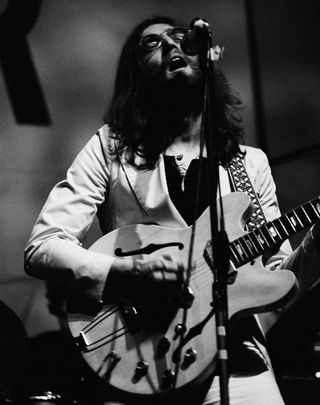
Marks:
<point>75,45</point>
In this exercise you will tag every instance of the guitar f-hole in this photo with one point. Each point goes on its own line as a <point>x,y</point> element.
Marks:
<point>152,247</point>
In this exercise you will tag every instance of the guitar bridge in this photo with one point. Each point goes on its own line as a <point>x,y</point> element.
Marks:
<point>81,341</point>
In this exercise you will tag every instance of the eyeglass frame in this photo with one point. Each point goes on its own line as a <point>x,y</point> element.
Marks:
<point>159,38</point>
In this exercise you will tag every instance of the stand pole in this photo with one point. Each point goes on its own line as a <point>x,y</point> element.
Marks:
<point>220,244</point>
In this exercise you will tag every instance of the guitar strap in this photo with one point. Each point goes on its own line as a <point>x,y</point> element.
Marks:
<point>241,182</point>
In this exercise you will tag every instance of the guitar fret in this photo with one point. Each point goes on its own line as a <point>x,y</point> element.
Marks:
<point>256,242</point>
<point>269,233</point>
<point>259,235</point>
<point>276,231</point>
<point>295,220</point>
<point>250,244</point>
<point>287,223</point>
<point>245,247</point>
<point>305,213</point>
<point>311,211</point>
<point>235,254</point>
<point>316,207</point>
<point>273,231</point>
<point>304,219</point>
<point>259,240</point>
<point>239,249</point>
<point>281,229</point>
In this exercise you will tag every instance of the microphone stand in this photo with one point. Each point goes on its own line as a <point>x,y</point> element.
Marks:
<point>220,243</point>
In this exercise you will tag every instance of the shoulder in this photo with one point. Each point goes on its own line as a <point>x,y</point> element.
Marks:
<point>254,157</point>
<point>102,143</point>
<point>105,136</point>
<point>96,153</point>
<point>257,165</point>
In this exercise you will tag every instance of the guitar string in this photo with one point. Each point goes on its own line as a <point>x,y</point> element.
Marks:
<point>112,310</point>
<point>107,336</point>
<point>90,348</point>
<point>100,318</point>
<point>202,270</point>
<point>201,276</point>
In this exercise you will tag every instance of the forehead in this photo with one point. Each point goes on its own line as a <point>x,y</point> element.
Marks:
<point>155,29</point>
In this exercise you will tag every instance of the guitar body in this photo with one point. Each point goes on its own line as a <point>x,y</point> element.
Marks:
<point>114,350</point>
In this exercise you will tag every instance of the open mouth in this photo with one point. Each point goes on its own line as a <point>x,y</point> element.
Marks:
<point>177,62</point>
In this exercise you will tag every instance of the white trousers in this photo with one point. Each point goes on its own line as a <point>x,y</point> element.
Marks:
<point>260,389</point>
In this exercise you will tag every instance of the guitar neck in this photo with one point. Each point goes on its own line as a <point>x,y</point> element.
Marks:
<point>273,233</point>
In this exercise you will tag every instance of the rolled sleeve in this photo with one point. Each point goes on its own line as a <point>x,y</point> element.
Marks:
<point>54,251</point>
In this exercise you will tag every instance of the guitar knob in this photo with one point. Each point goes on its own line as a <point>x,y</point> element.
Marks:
<point>114,360</point>
<point>131,318</point>
<point>186,299</point>
<point>189,357</point>
<point>163,346</point>
<point>180,329</point>
<point>141,370</point>
<point>168,378</point>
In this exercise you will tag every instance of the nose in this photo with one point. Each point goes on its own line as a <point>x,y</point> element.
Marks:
<point>167,41</point>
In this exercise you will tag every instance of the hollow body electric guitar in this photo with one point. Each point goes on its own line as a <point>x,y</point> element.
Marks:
<point>152,347</point>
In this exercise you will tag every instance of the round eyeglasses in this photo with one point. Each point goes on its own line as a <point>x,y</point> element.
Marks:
<point>153,41</point>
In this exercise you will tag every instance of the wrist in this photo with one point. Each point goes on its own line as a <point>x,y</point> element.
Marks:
<point>116,280</point>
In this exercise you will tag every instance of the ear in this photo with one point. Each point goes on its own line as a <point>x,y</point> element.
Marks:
<point>218,53</point>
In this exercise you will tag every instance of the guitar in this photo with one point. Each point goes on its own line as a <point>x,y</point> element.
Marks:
<point>179,350</point>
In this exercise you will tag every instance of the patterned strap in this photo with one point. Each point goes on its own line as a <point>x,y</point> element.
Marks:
<point>241,182</point>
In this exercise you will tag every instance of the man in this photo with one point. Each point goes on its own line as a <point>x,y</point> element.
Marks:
<point>141,168</point>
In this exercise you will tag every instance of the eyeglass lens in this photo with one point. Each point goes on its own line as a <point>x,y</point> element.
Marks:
<point>152,41</point>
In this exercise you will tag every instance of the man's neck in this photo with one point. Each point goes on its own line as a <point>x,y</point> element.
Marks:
<point>191,130</point>
<point>188,141</point>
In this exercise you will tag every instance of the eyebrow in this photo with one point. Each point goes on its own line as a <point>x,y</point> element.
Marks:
<point>152,33</point>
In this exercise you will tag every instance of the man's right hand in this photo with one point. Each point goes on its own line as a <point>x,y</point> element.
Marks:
<point>162,276</point>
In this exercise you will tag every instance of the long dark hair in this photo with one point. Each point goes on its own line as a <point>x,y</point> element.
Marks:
<point>130,124</point>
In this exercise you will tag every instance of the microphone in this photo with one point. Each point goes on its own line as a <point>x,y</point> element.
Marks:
<point>197,38</point>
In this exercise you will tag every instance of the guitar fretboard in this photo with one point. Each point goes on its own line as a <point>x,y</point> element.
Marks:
<point>273,233</point>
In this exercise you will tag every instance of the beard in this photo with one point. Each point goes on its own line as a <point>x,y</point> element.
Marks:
<point>169,104</point>
<point>181,94</point>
